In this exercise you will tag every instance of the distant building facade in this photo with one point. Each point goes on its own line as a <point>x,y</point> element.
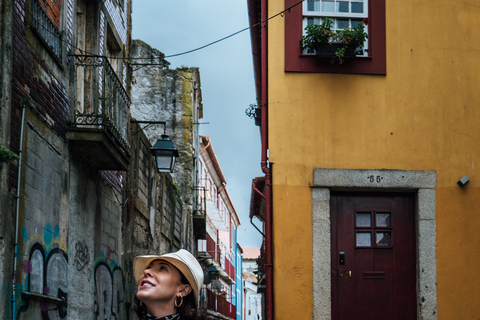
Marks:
<point>216,223</point>
<point>239,302</point>
<point>253,299</point>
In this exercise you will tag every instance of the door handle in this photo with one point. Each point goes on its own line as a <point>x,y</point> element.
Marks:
<point>349,274</point>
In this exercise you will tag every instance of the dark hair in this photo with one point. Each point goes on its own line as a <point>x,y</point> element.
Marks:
<point>188,309</point>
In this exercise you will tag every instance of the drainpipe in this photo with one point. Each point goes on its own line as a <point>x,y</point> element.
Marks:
<point>17,209</point>
<point>264,164</point>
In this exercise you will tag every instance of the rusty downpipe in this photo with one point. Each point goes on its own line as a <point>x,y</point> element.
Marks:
<point>264,163</point>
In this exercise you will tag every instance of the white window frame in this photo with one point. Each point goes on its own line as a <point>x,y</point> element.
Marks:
<point>336,15</point>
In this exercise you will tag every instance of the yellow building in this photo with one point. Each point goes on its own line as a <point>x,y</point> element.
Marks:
<point>371,198</point>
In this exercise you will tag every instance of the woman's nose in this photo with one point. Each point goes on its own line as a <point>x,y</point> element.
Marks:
<point>147,272</point>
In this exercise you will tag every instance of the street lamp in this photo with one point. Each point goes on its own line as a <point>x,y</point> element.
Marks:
<point>163,150</point>
<point>165,154</point>
<point>210,274</point>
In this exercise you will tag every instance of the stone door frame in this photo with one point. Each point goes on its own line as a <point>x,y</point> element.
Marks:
<point>422,183</point>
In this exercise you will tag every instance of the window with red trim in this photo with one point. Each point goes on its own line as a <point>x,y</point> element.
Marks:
<point>374,59</point>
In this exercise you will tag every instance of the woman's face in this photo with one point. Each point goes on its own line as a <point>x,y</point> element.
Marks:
<point>159,283</point>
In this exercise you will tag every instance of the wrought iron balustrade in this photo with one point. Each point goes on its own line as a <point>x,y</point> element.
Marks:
<point>102,101</point>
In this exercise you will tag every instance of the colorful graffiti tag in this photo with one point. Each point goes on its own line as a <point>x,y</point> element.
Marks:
<point>110,291</point>
<point>45,290</point>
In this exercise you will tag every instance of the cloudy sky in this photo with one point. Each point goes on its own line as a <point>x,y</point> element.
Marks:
<point>226,72</point>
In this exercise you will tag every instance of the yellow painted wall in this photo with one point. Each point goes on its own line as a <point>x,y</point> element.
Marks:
<point>423,115</point>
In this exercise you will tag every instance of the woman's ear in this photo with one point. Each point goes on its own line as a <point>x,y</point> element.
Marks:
<point>186,290</point>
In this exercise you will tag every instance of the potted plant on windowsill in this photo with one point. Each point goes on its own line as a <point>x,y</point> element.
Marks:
<point>336,47</point>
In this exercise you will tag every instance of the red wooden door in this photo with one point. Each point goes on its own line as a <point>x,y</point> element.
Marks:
<point>373,256</point>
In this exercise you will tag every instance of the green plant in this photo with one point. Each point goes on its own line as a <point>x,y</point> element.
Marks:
<point>354,37</point>
<point>323,34</point>
<point>7,155</point>
<point>318,33</point>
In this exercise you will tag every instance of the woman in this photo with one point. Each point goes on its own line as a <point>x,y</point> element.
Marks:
<point>168,286</point>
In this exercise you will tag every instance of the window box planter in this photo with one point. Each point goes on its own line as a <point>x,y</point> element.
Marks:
<point>326,52</point>
<point>334,46</point>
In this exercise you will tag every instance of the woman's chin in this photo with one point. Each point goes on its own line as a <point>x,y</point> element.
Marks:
<point>142,295</point>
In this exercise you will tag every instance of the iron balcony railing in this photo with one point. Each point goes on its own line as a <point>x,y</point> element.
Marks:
<point>200,204</point>
<point>217,303</point>
<point>102,101</point>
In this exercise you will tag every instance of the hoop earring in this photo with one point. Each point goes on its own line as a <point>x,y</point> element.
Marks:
<point>178,305</point>
<point>141,304</point>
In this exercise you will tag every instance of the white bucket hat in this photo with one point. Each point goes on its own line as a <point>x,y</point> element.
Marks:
<point>182,260</point>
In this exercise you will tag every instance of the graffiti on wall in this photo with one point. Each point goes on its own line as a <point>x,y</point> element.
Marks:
<point>44,289</point>
<point>110,291</point>
<point>82,258</point>
<point>44,293</point>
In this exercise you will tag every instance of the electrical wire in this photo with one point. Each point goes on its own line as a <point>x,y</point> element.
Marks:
<point>235,33</point>
<point>281,13</point>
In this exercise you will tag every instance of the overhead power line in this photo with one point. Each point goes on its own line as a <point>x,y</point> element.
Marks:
<point>281,13</point>
<point>233,34</point>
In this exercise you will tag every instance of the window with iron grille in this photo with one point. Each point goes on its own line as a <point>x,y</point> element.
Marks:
<point>173,209</point>
<point>46,22</point>
<point>143,180</point>
<point>177,226</point>
<point>169,207</point>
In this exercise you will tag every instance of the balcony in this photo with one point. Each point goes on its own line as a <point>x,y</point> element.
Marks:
<point>210,253</point>
<point>216,216</point>
<point>199,221</point>
<point>217,306</point>
<point>100,123</point>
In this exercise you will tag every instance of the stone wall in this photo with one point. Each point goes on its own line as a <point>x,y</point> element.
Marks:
<point>162,94</point>
<point>79,228</point>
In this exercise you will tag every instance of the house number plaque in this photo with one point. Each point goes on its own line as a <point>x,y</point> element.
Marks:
<point>372,178</point>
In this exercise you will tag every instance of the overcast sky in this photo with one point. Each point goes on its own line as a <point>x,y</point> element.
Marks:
<point>227,83</point>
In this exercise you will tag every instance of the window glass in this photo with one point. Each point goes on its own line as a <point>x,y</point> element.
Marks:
<point>328,6</point>
<point>383,219</point>
<point>384,239</point>
<point>313,5</point>
<point>364,219</point>
<point>364,239</point>
<point>357,7</point>
<point>342,24</point>
<point>355,23</point>
<point>313,20</point>
<point>342,6</point>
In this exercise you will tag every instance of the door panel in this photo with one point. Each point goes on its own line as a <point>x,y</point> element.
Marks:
<point>373,256</point>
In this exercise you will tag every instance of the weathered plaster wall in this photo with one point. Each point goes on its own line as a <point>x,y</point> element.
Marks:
<point>162,94</point>
<point>6,197</point>
<point>71,240</point>
<point>72,217</point>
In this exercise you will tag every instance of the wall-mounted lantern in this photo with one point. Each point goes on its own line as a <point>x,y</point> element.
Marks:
<point>165,154</point>
<point>163,150</point>
<point>210,274</point>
